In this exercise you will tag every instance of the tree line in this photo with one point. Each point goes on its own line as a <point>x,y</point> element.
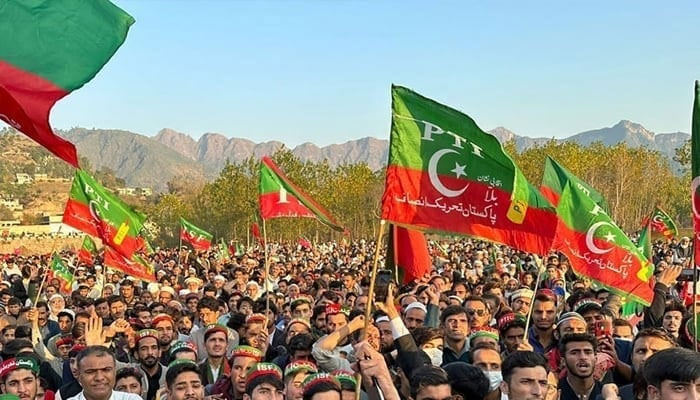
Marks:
<point>632,179</point>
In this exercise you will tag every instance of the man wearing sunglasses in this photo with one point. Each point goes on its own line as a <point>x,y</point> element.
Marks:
<point>478,312</point>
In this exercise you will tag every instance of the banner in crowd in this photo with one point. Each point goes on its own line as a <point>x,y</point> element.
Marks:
<point>137,267</point>
<point>47,50</point>
<point>60,271</point>
<point>447,175</point>
<point>280,197</point>
<point>554,179</point>
<point>598,249</point>
<point>87,251</point>
<point>96,211</point>
<point>198,238</point>
<point>223,252</point>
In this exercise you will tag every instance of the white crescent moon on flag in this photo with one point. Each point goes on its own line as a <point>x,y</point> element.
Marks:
<point>589,238</point>
<point>435,180</point>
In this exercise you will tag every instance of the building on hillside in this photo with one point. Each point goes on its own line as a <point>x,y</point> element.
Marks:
<point>41,177</point>
<point>128,191</point>
<point>10,222</point>
<point>12,205</point>
<point>23,179</point>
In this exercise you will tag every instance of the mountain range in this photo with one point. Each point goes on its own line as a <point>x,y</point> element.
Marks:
<point>153,161</point>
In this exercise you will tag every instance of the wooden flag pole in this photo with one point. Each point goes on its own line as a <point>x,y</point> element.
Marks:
<point>538,262</point>
<point>267,274</point>
<point>43,280</point>
<point>370,299</point>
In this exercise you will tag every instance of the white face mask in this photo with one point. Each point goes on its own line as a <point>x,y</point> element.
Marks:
<point>435,355</point>
<point>494,378</point>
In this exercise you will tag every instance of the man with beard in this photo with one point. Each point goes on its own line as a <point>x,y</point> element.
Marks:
<point>215,365</point>
<point>512,329</point>
<point>19,377</point>
<point>672,318</point>
<point>233,387</point>
<point>294,376</point>
<point>477,312</point>
<point>414,315</point>
<point>327,350</point>
<point>165,326</point>
<point>578,351</point>
<point>148,353</point>
<point>183,381</point>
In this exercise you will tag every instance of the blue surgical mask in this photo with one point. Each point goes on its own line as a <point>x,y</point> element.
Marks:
<point>495,378</point>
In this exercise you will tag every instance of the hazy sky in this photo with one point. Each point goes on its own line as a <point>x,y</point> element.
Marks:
<point>321,71</point>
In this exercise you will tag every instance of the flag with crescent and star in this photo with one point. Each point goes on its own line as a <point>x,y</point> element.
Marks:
<point>447,175</point>
<point>662,223</point>
<point>599,249</point>
<point>555,177</point>
<point>280,197</point>
<point>695,161</point>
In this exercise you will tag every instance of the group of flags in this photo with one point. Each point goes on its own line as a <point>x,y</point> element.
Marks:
<point>444,175</point>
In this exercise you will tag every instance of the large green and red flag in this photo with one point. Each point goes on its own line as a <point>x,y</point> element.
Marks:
<point>137,267</point>
<point>61,272</point>
<point>600,250</point>
<point>662,223</point>
<point>280,197</point>
<point>446,174</point>
<point>96,211</point>
<point>198,238</point>
<point>695,161</point>
<point>554,179</point>
<point>87,251</point>
<point>407,254</point>
<point>47,50</point>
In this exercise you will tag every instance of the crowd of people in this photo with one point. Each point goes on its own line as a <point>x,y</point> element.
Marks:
<point>472,328</point>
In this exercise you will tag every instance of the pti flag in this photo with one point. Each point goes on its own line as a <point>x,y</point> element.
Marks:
<point>137,267</point>
<point>87,251</point>
<point>662,223</point>
<point>96,211</point>
<point>47,50</point>
<point>407,254</point>
<point>60,271</point>
<point>446,174</point>
<point>197,237</point>
<point>695,185</point>
<point>598,249</point>
<point>555,178</point>
<point>280,197</point>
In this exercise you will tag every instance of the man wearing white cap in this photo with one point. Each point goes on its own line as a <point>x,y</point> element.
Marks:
<point>414,315</point>
<point>520,300</point>
<point>166,294</point>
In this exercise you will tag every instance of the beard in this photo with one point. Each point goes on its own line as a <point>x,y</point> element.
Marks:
<point>573,371</point>
<point>149,362</point>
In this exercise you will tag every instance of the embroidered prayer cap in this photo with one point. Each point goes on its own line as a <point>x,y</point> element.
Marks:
<point>584,305</point>
<point>521,293</point>
<point>162,317</point>
<point>254,318</point>
<point>300,365</point>
<point>345,377</point>
<point>247,351</point>
<point>483,332</point>
<point>312,380</point>
<point>18,363</point>
<point>213,328</point>
<point>182,346</point>
<point>263,369</point>
<point>510,319</point>
<point>335,308</point>
<point>144,333</point>
<point>181,361</point>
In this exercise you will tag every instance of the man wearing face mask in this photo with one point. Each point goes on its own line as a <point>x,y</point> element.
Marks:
<point>488,360</point>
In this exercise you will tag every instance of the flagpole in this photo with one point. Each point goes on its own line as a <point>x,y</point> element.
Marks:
<point>538,261</point>
<point>267,274</point>
<point>370,296</point>
<point>43,280</point>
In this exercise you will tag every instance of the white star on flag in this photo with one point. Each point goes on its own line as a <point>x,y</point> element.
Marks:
<point>459,170</point>
<point>609,237</point>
